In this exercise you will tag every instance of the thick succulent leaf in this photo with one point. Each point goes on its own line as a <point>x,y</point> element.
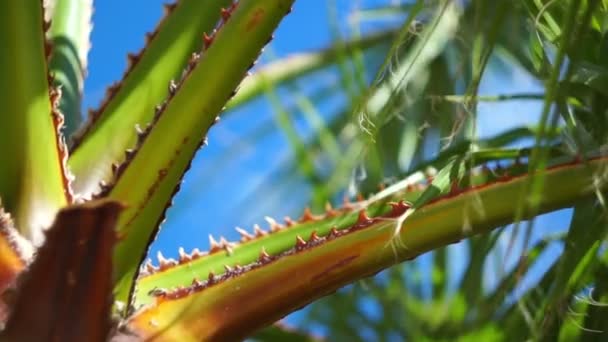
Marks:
<point>148,180</point>
<point>246,298</point>
<point>32,182</point>
<point>66,293</point>
<point>297,65</point>
<point>69,34</point>
<point>132,101</point>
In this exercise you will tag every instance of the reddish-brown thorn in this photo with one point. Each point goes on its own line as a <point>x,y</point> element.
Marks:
<point>333,233</point>
<point>307,216</point>
<point>288,221</point>
<point>363,218</point>
<point>183,256</point>
<point>398,208</point>
<point>314,236</point>
<point>259,232</point>
<point>360,197</point>
<point>169,7</point>
<point>149,267</point>
<point>214,246</point>
<point>208,40</point>
<point>164,263</point>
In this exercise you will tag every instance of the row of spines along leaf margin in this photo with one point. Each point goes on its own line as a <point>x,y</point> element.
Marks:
<point>57,116</point>
<point>366,217</point>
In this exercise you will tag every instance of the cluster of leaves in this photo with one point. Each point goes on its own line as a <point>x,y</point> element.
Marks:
<point>82,218</point>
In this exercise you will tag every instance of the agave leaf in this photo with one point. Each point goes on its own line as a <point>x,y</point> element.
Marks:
<point>148,180</point>
<point>66,293</point>
<point>132,101</point>
<point>248,297</point>
<point>69,34</point>
<point>33,185</point>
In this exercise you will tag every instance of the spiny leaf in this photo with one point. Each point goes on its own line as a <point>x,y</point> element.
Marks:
<point>246,298</point>
<point>132,101</point>
<point>66,293</point>
<point>69,34</point>
<point>33,184</point>
<point>151,175</point>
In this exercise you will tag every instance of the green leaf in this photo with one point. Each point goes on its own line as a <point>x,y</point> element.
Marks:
<point>148,180</point>
<point>282,271</point>
<point>32,182</point>
<point>133,100</point>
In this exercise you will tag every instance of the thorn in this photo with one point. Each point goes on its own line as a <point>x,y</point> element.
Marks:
<point>196,284</point>
<point>195,254</point>
<point>300,243</point>
<point>150,36</point>
<point>274,226</point>
<point>214,246</point>
<point>264,256</point>
<point>211,278</point>
<point>288,221</point>
<point>226,14</point>
<point>114,167</point>
<point>245,236</point>
<point>360,197</point>
<point>226,245</point>
<point>259,232</point>
<point>363,218</point>
<point>149,267</point>
<point>307,216</point>
<point>208,40</point>
<point>329,210</point>
<point>228,269</point>
<point>333,233</point>
<point>169,8</point>
<point>46,25</point>
<point>314,237</point>
<point>183,256</point>
<point>172,87</point>
<point>129,153</point>
<point>132,58</point>
<point>398,208</point>
<point>140,132</point>
<point>164,263</point>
